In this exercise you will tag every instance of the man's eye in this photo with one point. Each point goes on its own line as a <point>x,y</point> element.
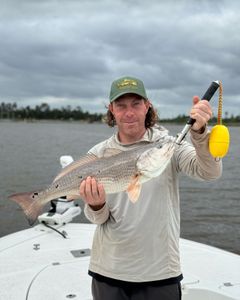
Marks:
<point>120,105</point>
<point>136,103</point>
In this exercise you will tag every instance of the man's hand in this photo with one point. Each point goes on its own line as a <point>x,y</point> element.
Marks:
<point>92,193</point>
<point>201,111</point>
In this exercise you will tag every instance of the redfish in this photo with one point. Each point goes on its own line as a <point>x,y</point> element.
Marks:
<point>117,171</point>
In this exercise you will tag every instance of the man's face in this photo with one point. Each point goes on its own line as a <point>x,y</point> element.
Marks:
<point>130,112</point>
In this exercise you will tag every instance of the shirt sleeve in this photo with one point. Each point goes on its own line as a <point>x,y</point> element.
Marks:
<point>195,160</point>
<point>97,216</point>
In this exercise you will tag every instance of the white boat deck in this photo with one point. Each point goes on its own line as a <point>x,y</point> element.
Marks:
<point>39,263</point>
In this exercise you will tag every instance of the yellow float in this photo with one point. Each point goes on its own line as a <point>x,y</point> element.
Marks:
<point>219,139</point>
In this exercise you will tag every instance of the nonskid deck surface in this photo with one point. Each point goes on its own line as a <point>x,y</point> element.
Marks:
<point>38,263</point>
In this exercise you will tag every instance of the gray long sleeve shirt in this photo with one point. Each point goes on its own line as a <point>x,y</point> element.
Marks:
<point>139,242</point>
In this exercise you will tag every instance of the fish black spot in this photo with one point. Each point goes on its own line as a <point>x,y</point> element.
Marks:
<point>34,194</point>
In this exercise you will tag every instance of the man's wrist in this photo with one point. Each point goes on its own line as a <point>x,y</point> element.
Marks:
<point>201,130</point>
<point>97,207</point>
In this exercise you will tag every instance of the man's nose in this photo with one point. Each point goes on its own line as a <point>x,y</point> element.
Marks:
<point>129,112</point>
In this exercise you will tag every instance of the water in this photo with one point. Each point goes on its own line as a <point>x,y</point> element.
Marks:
<point>29,159</point>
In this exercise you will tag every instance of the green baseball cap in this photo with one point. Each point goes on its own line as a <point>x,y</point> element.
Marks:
<point>126,85</point>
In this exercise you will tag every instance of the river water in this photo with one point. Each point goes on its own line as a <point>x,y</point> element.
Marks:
<point>29,160</point>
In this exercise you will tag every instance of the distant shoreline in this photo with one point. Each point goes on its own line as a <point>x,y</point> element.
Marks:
<point>168,122</point>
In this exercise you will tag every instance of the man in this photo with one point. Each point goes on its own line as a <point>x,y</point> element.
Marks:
<point>135,252</point>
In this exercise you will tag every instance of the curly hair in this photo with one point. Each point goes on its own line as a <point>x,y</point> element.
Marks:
<point>150,121</point>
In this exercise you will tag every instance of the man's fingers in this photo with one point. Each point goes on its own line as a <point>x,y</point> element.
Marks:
<point>88,189</point>
<point>203,113</point>
<point>82,189</point>
<point>101,192</point>
<point>94,187</point>
<point>92,192</point>
<point>196,99</point>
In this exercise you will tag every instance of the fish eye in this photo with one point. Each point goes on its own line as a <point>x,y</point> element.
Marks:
<point>56,186</point>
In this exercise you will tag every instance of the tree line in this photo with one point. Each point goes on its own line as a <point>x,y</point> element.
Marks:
<point>226,119</point>
<point>44,112</point>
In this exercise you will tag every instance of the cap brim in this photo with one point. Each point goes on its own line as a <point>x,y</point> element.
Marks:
<point>126,92</point>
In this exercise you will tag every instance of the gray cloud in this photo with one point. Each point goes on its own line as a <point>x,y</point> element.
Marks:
<point>68,52</point>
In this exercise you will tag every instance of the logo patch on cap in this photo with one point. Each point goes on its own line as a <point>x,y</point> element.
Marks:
<point>127,82</point>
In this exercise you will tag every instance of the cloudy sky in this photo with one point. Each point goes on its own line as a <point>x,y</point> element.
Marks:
<point>67,52</point>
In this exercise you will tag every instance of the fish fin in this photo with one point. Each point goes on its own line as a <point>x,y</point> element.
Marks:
<point>134,189</point>
<point>74,165</point>
<point>108,152</point>
<point>30,204</point>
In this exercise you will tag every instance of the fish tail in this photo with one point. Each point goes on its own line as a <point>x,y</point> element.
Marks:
<point>30,203</point>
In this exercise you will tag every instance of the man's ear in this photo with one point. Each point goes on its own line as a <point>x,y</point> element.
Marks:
<point>110,107</point>
<point>148,104</point>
